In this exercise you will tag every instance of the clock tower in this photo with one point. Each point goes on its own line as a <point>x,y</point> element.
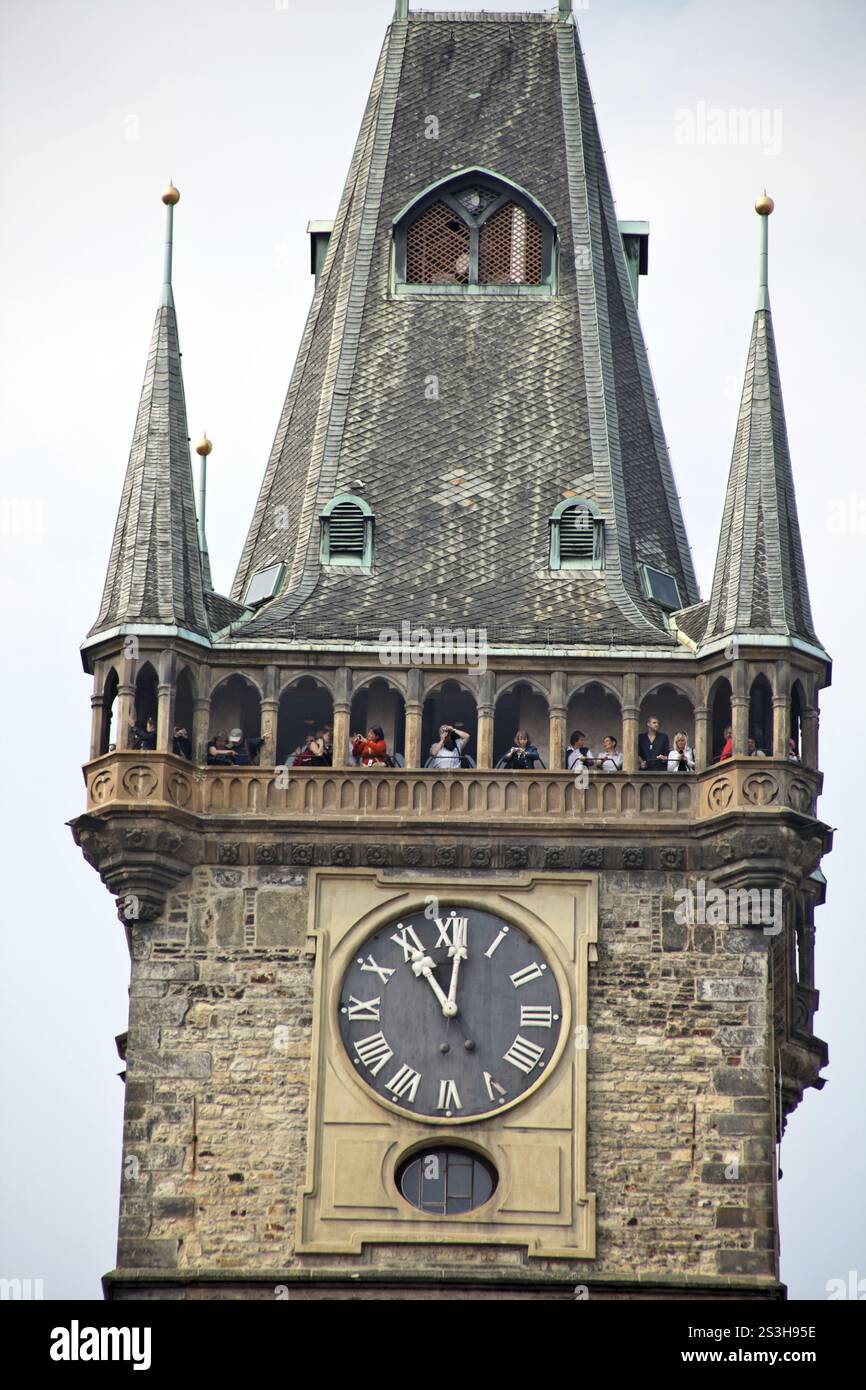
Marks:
<point>468,858</point>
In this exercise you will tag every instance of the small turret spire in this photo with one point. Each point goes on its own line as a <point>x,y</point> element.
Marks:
<point>401,9</point>
<point>204,448</point>
<point>764,208</point>
<point>170,196</point>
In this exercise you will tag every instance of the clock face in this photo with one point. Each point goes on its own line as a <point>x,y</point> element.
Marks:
<point>450,1017</point>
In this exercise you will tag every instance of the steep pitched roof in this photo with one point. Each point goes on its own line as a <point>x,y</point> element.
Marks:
<point>759,586</point>
<point>154,569</point>
<point>537,397</point>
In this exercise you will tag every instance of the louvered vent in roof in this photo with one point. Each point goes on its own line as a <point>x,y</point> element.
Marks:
<point>346,526</point>
<point>576,534</point>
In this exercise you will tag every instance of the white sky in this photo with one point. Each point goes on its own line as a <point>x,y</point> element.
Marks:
<point>253,107</point>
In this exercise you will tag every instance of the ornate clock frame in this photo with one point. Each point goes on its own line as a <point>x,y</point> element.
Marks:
<point>537,1146</point>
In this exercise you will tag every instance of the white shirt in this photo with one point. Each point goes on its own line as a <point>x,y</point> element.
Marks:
<point>610,762</point>
<point>574,757</point>
<point>449,757</point>
<point>674,759</point>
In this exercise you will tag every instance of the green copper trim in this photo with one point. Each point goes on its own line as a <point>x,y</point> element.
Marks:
<point>565,8</point>
<point>764,282</point>
<point>401,9</point>
<point>460,176</point>
<point>167,296</point>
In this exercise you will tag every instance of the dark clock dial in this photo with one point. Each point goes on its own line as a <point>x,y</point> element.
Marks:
<point>450,1017</point>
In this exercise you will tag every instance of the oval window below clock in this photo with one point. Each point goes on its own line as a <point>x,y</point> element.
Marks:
<point>446,1181</point>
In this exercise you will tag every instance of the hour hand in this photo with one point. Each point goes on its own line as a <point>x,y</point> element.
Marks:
<point>423,966</point>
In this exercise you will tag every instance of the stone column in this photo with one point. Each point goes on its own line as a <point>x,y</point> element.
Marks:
<point>200,726</point>
<point>702,726</point>
<point>413,754</point>
<point>781,709</point>
<point>96,713</point>
<point>630,724</point>
<point>165,703</point>
<point>740,709</point>
<point>558,713</point>
<point>809,750</point>
<point>270,716</point>
<point>125,702</point>
<point>342,715</point>
<point>484,751</point>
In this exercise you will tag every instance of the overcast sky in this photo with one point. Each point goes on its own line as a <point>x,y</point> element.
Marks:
<point>253,107</point>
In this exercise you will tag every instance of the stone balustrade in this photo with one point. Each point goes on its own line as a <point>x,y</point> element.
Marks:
<point>135,780</point>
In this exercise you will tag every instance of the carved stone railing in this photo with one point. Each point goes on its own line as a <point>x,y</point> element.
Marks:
<point>154,781</point>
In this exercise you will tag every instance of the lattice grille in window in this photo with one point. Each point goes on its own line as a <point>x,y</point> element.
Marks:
<point>346,525</point>
<point>510,249</point>
<point>437,248</point>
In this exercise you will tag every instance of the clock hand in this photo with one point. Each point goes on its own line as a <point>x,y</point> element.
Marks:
<point>423,965</point>
<point>458,952</point>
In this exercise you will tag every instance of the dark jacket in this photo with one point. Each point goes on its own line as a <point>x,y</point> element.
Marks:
<point>524,760</point>
<point>143,738</point>
<point>649,753</point>
<point>182,747</point>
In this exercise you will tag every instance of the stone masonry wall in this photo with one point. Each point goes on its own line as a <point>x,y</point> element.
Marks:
<point>680,1143</point>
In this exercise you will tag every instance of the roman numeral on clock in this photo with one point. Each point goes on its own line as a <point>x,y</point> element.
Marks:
<point>366,1009</point>
<point>381,970</point>
<point>404,1083</point>
<point>407,939</point>
<point>523,1055</point>
<point>533,1016</point>
<point>494,1086</point>
<point>529,972</point>
<point>497,941</point>
<point>448,1097</point>
<point>452,932</point>
<point>374,1052</point>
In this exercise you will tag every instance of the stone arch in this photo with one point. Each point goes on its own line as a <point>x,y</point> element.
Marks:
<point>521,704</point>
<point>107,735</point>
<point>448,700</point>
<point>146,694</point>
<point>595,710</point>
<point>761,714</point>
<point>306,705</point>
<point>236,702</point>
<point>795,720</point>
<point>376,701</point>
<point>674,708</point>
<point>721,715</point>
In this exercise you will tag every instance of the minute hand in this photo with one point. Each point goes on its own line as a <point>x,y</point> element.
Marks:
<point>458,952</point>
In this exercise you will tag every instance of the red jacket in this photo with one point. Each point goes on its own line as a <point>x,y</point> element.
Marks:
<point>370,750</point>
<point>727,751</point>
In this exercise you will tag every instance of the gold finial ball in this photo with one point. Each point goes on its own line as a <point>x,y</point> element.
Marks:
<point>764,206</point>
<point>204,447</point>
<point>170,195</point>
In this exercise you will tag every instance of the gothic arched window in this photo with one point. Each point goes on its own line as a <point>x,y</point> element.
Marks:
<point>475,233</point>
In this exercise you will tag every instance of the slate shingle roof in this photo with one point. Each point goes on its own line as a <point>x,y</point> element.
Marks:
<point>536,396</point>
<point>154,569</point>
<point>759,584</point>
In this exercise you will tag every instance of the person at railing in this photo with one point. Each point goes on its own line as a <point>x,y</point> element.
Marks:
<point>523,754</point>
<point>371,751</point>
<point>653,747</point>
<point>578,754</point>
<point>143,739</point>
<point>321,748</point>
<point>447,751</point>
<point>728,747</point>
<point>753,751</point>
<point>246,750</point>
<point>793,755</point>
<point>611,758</point>
<point>219,754</point>
<point>181,743</point>
<point>681,758</point>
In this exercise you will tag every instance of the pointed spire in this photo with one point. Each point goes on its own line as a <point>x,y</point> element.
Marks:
<point>759,586</point>
<point>154,574</point>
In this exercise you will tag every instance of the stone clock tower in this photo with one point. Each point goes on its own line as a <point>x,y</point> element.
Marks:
<point>499,1023</point>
